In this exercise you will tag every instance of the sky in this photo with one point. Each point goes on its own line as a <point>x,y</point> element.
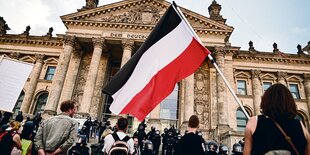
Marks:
<point>286,22</point>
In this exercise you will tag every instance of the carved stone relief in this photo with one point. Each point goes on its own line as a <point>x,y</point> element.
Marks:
<point>39,58</point>
<point>255,73</point>
<point>201,98</point>
<point>128,44</point>
<point>100,42</point>
<point>307,77</point>
<point>145,14</point>
<point>281,75</point>
<point>14,55</point>
<point>70,40</point>
<point>307,84</point>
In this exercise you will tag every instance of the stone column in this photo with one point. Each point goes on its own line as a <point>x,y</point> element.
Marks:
<point>99,45</point>
<point>256,91</point>
<point>307,89</point>
<point>32,84</point>
<point>71,76</point>
<point>59,77</point>
<point>221,89</point>
<point>189,97</point>
<point>222,104</point>
<point>128,46</point>
<point>282,77</point>
<point>96,106</point>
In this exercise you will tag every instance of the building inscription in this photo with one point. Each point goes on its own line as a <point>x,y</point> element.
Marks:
<point>127,35</point>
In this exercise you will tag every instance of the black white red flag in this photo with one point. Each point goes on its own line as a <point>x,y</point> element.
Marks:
<point>169,54</point>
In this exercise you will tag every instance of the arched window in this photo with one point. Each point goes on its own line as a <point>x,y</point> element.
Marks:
<point>241,119</point>
<point>18,103</point>
<point>169,106</point>
<point>41,102</point>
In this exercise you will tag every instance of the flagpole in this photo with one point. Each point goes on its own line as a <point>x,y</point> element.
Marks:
<point>176,8</point>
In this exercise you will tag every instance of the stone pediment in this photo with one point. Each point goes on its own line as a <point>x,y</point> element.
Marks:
<point>139,14</point>
<point>146,15</point>
<point>51,60</point>
<point>268,76</point>
<point>294,78</point>
<point>242,74</point>
<point>27,59</point>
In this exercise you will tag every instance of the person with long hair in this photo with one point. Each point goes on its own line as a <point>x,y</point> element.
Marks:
<point>262,134</point>
<point>11,139</point>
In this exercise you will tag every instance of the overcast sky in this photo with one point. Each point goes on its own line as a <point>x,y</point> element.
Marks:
<point>286,22</point>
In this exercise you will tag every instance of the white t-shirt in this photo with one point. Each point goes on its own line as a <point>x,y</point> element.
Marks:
<point>109,140</point>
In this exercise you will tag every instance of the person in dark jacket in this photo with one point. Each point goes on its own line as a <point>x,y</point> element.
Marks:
<point>191,143</point>
<point>6,118</point>
<point>19,117</point>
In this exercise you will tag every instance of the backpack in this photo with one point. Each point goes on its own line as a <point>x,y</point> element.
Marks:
<point>6,142</point>
<point>119,147</point>
<point>2,135</point>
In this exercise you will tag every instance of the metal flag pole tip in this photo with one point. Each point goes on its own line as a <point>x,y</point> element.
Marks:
<point>174,4</point>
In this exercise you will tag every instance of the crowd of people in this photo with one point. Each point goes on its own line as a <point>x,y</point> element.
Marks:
<point>60,134</point>
<point>172,142</point>
<point>30,140</point>
<point>17,136</point>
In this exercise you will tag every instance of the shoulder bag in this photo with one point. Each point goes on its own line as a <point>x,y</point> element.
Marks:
<point>287,138</point>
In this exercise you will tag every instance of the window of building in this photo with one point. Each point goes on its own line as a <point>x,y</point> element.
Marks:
<point>18,103</point>
<point>266,85</point>
<point>169,106</point>
<point>241,87</point>
<point>50,73</point>
<point>106,107</point>
<point>241,120</point>
<point>41,102</point>
<point>108,99</point>
<point>294,90</point>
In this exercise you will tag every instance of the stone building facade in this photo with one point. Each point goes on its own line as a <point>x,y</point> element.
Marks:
<point>101,39</point>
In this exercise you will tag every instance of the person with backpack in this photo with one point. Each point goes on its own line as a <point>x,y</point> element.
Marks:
<point>118,143</point>
<point>10,139</point>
